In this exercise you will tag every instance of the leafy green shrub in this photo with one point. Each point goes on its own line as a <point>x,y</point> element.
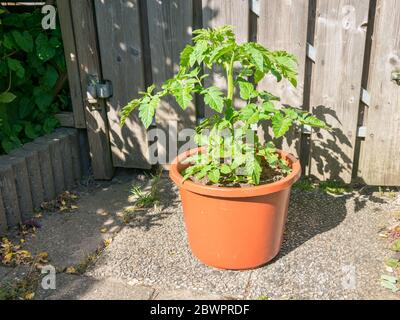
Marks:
<point>238,157</point>
<point>32,78</point>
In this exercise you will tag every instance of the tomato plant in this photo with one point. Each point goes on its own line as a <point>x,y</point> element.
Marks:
<point>234,154</point>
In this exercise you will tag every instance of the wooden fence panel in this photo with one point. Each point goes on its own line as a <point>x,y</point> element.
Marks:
<point>170,25</point>
<point>119,31</point>
<point>64,12</point>
<point>85,31</point>
<point>340,34</point>
<point>282,25</point>
<point>217,13</point>
<point>379,151</point>
<point>141,41</point>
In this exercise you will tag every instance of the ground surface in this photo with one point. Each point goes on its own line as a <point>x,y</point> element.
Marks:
<point>332,249</point>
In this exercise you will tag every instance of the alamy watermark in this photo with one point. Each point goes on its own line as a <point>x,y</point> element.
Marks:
<point>349,279</point>
<point>49,19</point>
<point>49,279</point>
<point>167,142</point>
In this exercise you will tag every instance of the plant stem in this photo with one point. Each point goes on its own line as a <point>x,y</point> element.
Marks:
<point>229,75</point>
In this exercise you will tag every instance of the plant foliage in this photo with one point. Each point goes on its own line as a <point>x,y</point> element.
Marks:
<point>234,154</point>
<point>32,78</point>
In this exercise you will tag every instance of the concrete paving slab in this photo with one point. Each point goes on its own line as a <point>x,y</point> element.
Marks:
<point>72,287</point>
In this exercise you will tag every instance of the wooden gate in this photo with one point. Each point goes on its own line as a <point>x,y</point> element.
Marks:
<point>349,59</point>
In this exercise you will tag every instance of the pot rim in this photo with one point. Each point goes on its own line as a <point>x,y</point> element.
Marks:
<point>235,192</point>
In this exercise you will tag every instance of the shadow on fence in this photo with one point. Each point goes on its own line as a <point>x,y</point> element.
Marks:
<point>327,155</point>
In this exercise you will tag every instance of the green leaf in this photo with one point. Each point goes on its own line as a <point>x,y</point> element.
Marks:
<point>147,110</point>
<point>16,128</point>
<point>390,282</point>
<point>256,56</point>
<point>291,113</point>
<point>50,124</point>
<point>9,145</point>
<point>267,96</point>
<point>24,40</point>
<point>396,246</point>
<point>253,168</point>
<point>214,175</point>
<point>13,20</point>
<point>9,42</point>
<point>198,53</point>
<point>220,51</point>
<point>312,121</point>
<point>7,97</point>
<point>247,90</point>
<point>50,77</point>
<point>286,64</point>
<point>15,65</point>
<point>191,170</point>
<point>185,56</point>
<point>26,106</point>
<point>205,169</point>
<point>269,107</point>
<point>280,125</point>
<point>393,263</point>
<point>213,97</point>
<point>247,111</point>
<point>238,160</point>
<point>182,91</point>
<point>126,111</point>
<point>45,50</point>
<point>391,279</point>
<point>258,76</point>
<point>225,169</point>
<point>30,131</point>
<point>43,99</point>
<point>54,42</point>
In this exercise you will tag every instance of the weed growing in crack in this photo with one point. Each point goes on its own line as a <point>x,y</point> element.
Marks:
<point>144,199</point>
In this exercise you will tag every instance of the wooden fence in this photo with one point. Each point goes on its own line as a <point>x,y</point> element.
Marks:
<point>348,51</point>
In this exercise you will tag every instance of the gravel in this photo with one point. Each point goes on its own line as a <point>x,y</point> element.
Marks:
<point>331,251</point>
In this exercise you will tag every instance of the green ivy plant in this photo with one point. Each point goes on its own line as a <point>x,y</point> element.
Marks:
<point>237,157</point>
<point>32,78</point>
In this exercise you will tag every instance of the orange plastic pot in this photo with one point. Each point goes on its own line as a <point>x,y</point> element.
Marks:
<point>235,228</point>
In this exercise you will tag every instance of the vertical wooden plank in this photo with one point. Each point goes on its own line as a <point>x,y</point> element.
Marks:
<point>85,31</point>
<point>3,218</point>
<point>8,192</point>
<point>62,135</point>
<point>378,164</point>
<point>170,28</point>
<point>67,31</point>
<point>340,34</point>
<point>122,60</point>
<point>43,152</point>
<point>75,153</point>
<point>35,177</point>
<point>22,184</point>
<point>56,160</point>
<point>217,13</point>
<point>67,163</point>
<point>290,36</point>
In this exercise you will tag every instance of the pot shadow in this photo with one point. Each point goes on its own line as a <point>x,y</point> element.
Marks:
<point>315,212</point>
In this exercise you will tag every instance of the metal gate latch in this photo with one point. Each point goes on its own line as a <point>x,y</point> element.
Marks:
<point>97,89</point>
